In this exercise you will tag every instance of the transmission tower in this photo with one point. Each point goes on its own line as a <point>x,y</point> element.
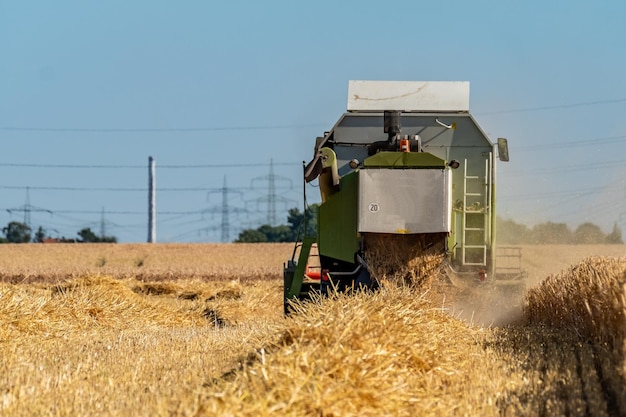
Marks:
<point>224,209</point>
<point>272,198</point>
<point>102,225</point>
<point>27,208</point>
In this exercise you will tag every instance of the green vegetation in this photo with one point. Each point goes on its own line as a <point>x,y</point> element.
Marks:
<point>18,232</point>
<point>88,236</point>
<point>297,227</point>
<point>510,232</point>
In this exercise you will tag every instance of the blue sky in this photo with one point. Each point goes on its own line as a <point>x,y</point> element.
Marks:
<point>214,91</point>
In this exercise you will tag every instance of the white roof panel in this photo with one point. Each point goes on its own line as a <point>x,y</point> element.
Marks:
<point>425,96</point>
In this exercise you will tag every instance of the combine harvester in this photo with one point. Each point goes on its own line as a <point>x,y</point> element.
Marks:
<point>408,182</point>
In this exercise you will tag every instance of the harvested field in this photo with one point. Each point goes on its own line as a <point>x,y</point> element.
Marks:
<point>155,262</point>
<point>543,260</point>
<point>197,330</point>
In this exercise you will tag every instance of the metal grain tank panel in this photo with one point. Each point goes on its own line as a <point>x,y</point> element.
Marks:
<point>404,201</point>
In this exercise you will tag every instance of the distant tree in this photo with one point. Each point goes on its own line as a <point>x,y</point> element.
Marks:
<point>509,232</point>
<point>555,233</point>
<point>40,235</point>
<point>88,236</point>
<point>615,237</point>
<point>251,236</point>
<point>283,233</point>
<point>265,233</point>
<point>551,233</point>
<point>589,233</point>
<point>296,217</point>
<point>16,232</point>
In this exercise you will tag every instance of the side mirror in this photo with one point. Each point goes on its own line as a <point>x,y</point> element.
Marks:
<point>503,149</point>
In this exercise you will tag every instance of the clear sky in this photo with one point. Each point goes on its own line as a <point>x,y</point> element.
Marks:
<point>214,91</point>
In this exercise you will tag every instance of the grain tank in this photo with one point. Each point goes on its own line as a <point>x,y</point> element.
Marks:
<point>405,165</point>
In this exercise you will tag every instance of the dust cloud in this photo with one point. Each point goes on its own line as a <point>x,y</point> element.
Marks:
<point>488,306</point>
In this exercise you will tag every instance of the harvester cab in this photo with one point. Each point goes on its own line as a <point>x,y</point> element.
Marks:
<point>408,187</point>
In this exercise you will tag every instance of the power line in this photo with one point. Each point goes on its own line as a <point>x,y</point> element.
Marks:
<point>573,144</point>
<point>561,170</point>
<point>153,129</point>
<point>552,195</point>
<point>266,127</point>
<point>15,165</point>
<point>554,107</point>
<point>187,166</point>
<point>124,212</point>
<point>116,189</point>
<point>580,167</point>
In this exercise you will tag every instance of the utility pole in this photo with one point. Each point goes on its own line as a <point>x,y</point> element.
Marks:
<point>151,200</point>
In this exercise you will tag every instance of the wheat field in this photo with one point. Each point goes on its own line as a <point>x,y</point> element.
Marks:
<point>145,330</point>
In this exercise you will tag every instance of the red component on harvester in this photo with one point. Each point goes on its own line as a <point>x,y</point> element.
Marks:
<point>313,273</point>
<point>325,276</point>
<point>482,275</point>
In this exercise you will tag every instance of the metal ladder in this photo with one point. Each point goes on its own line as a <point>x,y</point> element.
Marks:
<point>482,210</point>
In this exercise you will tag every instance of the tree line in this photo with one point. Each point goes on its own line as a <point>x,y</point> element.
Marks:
<point>507,231</point>
<point>300,224</point>
<point>510,232</point>
<point>18,232</point>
